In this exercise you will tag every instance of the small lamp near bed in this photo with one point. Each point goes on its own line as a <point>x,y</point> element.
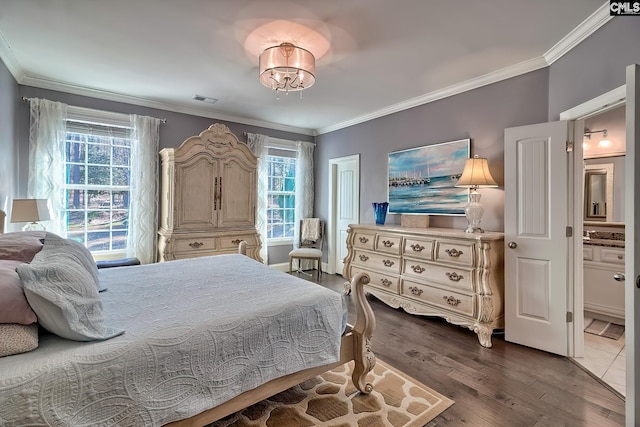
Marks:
<point>475,174</point>
<point>30,211</point>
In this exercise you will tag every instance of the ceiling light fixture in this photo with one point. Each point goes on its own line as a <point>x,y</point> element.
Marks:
<point>287,67</point>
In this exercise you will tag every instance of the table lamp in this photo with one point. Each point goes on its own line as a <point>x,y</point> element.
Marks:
<point>476,174</point>
<point>30,211</point>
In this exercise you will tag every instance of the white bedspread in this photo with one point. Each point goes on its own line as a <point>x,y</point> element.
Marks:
<point>197,333</point>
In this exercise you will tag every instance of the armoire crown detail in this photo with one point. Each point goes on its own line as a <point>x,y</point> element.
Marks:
<point>208,197</point>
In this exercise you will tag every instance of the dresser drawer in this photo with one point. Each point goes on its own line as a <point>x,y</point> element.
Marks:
<point>232,242</point>
<point>190,244</point>
<point>449,276</point>
<point>364,240</point>
<point>417,248</point>
<point>388,244</point>
<point>450,300</point>
<point>612,255</point>
<point>378,280</point>
<point>381,262</point>
<point>455,252</point>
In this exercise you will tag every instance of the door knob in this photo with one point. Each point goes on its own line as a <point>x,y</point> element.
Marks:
<point>619,277</point>
<point>512,245</point>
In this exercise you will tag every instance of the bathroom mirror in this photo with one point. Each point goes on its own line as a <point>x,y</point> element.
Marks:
<point>598,192</point>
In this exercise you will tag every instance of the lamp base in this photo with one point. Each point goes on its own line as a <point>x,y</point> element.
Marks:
<point>33,226</point>
<point>474,212</point>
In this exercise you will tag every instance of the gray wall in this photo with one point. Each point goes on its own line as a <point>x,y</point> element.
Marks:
<point>8,138</point>
<point>595,66</point>
<point>481,114</point>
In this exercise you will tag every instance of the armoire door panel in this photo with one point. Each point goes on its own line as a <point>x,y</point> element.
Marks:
<point>196,193</point>
<point>236,205</point>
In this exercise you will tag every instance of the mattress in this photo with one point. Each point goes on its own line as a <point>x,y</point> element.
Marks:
<point>198,332</point>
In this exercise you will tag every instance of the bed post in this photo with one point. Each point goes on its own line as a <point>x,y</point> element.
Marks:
<point>242,247</point>
<point>363,329</point>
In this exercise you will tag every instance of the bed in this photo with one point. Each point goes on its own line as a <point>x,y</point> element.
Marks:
<point>203,338</point>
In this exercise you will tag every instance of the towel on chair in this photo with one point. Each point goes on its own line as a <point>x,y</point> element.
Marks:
<point>310,229</point>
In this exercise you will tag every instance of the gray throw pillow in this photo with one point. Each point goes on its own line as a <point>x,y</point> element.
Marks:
<point>74,249</point>
<point>64,296</point>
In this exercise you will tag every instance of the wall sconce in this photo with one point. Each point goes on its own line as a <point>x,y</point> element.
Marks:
<point>475,174</point>
<point>604,142</point>
<point>31,211</point>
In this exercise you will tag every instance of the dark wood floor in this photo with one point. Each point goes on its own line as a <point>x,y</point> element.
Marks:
<point>506,385</point>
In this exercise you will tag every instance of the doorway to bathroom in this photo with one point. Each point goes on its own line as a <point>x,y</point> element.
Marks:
<point>603,253</point>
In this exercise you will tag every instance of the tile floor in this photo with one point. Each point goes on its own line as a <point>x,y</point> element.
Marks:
<point>605,358</point>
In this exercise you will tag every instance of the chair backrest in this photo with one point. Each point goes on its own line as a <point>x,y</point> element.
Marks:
<point>312,244</point>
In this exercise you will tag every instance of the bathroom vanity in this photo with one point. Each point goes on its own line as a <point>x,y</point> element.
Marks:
<point>603,257</point>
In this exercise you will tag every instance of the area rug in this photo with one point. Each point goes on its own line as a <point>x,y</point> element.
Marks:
<point>331,399</point>
<point>604,329</point>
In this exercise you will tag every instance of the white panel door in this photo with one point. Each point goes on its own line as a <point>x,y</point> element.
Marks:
<point>632,266</point>
<point>346,196</point>
<point>536,252</point>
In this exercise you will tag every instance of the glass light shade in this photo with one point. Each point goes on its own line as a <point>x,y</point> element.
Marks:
<point>287,67</point>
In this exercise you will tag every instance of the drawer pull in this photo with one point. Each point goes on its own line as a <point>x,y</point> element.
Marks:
<point>451,300</point>
<point>417,248</point>
<point>620,256</point>
<point>387,243</point>
<point>386,282</point>
<point>363,239</point>
<point>454,277</point>
<point>415,291</point>
<point>417,269</point>
<point>236,241</point>
<point>363,258</point>
<point>453,252</point>
<point>387,262</point>
<point>196,245</point>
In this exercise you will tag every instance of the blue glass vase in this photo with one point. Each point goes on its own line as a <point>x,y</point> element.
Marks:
<point>380,210</point>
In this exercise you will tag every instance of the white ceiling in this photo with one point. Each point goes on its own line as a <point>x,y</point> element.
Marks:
<point>383,56</point>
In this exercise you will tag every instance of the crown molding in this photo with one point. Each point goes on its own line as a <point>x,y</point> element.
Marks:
<point>493,77</point>
<point>143,102</point>
<point>587,27</point>
<point>6,55</point>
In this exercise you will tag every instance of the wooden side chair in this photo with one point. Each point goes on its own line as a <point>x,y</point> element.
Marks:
<point>309,248</point>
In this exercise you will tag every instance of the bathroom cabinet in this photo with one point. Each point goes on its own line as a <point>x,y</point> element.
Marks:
<point>603,295</point>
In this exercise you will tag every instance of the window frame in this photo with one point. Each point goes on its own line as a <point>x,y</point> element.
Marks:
<point>275,145</point>
<point>77,118</point>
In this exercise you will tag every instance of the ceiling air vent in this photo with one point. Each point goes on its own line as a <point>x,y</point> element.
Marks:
<point>205,99</point>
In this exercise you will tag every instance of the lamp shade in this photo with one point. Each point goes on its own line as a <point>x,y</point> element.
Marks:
<point>476,174</point>
<point>29,210</point>
<point>287,67</point>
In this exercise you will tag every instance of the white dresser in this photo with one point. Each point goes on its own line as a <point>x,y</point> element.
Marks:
<point>433,271</point>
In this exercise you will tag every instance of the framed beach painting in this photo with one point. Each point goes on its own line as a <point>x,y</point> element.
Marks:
<point>422,180</point>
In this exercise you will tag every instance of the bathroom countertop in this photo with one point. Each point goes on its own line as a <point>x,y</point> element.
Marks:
<point>604,238</point>
<point>604,242</point>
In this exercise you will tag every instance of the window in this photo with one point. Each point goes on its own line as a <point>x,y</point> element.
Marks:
<point>281,195</point>
<point>97,185</point>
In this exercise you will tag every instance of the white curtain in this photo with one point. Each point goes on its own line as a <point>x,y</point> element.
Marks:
<point>143,211</point>
<point>258,144</point>
<point>47,136</point>
<point>304,190</point>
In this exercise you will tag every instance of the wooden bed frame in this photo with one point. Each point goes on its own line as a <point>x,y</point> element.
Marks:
<point>355,345</point>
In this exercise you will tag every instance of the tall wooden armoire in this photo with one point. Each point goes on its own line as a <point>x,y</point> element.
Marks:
<point>208,197</point>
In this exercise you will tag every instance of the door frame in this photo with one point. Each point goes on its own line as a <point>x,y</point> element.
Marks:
<point>333,206</point>
<point>578,114</point>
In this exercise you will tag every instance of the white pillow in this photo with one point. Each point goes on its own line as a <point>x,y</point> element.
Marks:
<point>64,296</point>
<point>75,249</point>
